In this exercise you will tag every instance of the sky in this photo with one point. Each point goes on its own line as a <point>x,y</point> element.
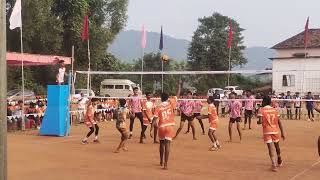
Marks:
<point>266,22</point>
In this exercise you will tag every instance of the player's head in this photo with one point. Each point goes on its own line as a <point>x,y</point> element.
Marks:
<point>309,93</point>
<point>135,90</point>
<point>266,101</point>
<point>148,95</point>
<point>189,94</point>
<point>288,93</point>
<point>232,95</point>
<point>122,102</point>
<point>61,63</point>
<point>210,100</point>
<point>164,97</point>
<point>249,93</point>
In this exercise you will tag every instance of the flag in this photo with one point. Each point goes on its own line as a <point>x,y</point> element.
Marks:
<point>306,33</point>
<point>15,18</point>
<point>143,37</point>
<point>230,35</point>
<point>161,40</point>
<point>85,30</point>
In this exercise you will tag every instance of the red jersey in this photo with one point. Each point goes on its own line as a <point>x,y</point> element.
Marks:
<point>270,120</point>
<point>165,113</point>
<point>212,113</point>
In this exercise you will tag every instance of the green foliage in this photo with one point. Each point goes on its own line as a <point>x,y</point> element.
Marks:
<point>208,50</point>
<point>54,26</point>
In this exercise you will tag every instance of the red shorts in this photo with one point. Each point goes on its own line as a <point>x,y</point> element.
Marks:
<point>269,138</point>
<point>166,132</point>
<point>213,125</point>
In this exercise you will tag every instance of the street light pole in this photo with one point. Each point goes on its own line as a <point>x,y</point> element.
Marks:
<point>3,93</point>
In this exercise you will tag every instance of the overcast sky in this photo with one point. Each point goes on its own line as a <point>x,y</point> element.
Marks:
<point>267,22</point>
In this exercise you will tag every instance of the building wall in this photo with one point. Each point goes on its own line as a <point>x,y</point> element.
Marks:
<point>309,80</point>
<point>289,52</point>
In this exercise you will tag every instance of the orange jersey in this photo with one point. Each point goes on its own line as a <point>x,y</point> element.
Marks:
<point>270,120</point>
<point>165,113</point>
<point>148,109</point>
<point>89,116</point>
<point>212,113</point>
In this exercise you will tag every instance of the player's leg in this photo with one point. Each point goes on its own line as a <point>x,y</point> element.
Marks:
<point>161,151</point>
<point>96,133</point>
<point>183,119</point>
<point>124,138</point>
<point>121,142</point>
<point>144,128</point>
<point>167,153</point>
<point>155,132</point>
<point>188,130</point>
<point>250,117</point>
<point>191,122</point>
<point>132,117</point>
<point>271,155</point>
<point>279,160</point>
<point>230,130</point>
<point>245,119</point>
<point>309,114</point>
<point>140,117</point>
<point>239,130</point>
<point>202,126</point>
<point>85,140</point>
<point>312,115</point>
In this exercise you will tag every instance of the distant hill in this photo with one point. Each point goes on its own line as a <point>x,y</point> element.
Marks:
<point>127,47</point>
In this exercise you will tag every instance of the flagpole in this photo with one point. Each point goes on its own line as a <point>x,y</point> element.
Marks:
<point>162,73</point>
<point>72,70</point>
<point>3,92</point>
<point>23,125</point>
<point>142,61</point>
<point>304,67</point>
<point>89,69</point>
<point>229,69</point>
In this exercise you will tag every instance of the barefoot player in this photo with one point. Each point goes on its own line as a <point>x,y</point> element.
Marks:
<point>91,122</point>
<point>269,118</point>
<point>213,118</point>
<point>121,114</point>
<point>164,113</point>
<point>235,114</point>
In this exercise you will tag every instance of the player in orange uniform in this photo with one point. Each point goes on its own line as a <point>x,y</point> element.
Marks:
<point>213,118</point>
<point>165,114</point>
<point>121,114</point>
<point>147,112</point>
<point>91,122</point>
<point>269,118</point>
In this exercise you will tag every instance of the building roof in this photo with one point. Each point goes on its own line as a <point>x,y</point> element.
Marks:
<point>297,41</point>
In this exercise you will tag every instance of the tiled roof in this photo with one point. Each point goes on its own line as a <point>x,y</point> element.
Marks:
<point>297,41</point>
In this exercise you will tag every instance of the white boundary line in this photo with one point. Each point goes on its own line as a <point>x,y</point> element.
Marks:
<point>306,170</point>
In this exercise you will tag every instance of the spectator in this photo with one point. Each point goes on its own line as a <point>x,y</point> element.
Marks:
<point>82,107</point>
<point>289,104</point>
<point>61,73</point>
<point>216,97</point>
<point>224,104</point>
<point>310,106</point>
<point>297,105</point>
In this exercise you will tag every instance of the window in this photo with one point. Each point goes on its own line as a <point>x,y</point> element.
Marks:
<point>108,87</point>
<point>127,87</point>
<point>118,86</point>
<point>288,80</point>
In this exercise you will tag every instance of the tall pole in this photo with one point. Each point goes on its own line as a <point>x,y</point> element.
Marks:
<point>23,125</point>
<point>303,72</point>
<point>89,69</point>
<point>142,61</point>
<point>72,70</point>
<point>3,93</point>
<point>162,76</point>
<point>229,66</point>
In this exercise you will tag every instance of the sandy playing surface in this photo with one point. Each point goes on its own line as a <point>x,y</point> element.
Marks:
<point>33,157</point>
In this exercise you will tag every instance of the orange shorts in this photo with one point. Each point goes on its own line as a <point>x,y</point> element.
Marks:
<point>213,125</point>
<point>166,132</point>
<point>269,138</point>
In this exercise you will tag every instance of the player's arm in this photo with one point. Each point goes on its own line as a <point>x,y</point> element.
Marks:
<point>281,129</point>
<point>202,117</point>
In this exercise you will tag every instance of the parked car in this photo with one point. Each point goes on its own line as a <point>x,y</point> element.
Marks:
<point>235,89</point>
<point>16,95</point>
<point>117,88</point>
<point>85,92</point>
<point>213,90</point>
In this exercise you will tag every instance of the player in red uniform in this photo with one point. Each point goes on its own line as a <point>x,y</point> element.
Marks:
<point>213,118</point>
<point>165,114</point>
<point>91,122</point>
<point>269,118</point>
<point>147,112</point>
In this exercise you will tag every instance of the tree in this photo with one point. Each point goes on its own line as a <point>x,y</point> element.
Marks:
<point>208,50</point>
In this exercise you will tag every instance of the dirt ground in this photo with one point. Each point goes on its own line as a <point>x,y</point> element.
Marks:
<point>32,157</point>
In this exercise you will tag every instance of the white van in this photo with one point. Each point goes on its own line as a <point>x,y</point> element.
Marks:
<point>117,88</point>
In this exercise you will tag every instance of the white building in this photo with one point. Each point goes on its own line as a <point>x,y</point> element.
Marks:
<point>299,69</point>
